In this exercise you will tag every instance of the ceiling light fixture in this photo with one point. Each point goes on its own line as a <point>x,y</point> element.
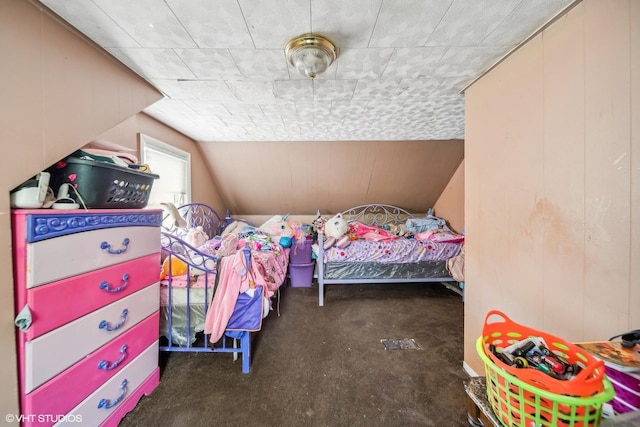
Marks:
<point>310,54</point>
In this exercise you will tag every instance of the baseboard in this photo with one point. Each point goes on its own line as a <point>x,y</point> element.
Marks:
<point>468,370</point>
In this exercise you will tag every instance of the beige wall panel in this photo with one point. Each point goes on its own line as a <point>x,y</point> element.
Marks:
<point>607,164</point>
<point>20,127</point>
<point>520,166</point>
<point>485,205</point>
<point>561,205</point>
<point>450,204</point>
<point>21,85</point>
<point>579,179</point>
<point>67,91</point>
<point>634,279</point>
<point>83,90</point>
<point>260,178</point>
<point>307,180</point>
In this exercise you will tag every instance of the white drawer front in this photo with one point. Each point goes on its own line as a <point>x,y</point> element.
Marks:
<point>53,352</point>
<point>94,410</point>
<point>66,256</point>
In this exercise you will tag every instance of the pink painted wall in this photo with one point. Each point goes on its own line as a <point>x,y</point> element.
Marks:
<point>552,182</point>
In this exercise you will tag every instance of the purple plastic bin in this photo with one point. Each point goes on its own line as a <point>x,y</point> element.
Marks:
<point>301,275</point>
<point>300,253</point>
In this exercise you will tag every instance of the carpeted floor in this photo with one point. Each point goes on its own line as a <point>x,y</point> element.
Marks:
<point>327,366</point>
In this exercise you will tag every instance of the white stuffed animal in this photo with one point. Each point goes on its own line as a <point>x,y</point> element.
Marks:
<point>196,237</point>
<point>279,229</point>
<point>335,230</point>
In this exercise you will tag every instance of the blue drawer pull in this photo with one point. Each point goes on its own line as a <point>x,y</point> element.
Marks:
<point>104,403</point>
<point>104,285</point>
<point>105,325</point>
<point>103,364</point>
<point>107,247</point>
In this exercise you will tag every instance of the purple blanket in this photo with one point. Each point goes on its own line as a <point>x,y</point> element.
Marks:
<point>393,251</point>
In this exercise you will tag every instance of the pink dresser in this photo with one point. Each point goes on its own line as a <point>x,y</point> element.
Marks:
<point>87,300</point>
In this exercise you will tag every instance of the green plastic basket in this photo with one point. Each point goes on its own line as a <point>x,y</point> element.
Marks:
<point>520,404</point>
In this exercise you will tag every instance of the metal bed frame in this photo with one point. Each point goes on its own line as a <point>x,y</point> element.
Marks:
<point>375,214</point>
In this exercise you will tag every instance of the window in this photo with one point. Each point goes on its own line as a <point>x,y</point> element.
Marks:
<point>174,168</point>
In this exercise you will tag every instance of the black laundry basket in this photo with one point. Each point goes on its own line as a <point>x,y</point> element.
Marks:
<point>102,185</point>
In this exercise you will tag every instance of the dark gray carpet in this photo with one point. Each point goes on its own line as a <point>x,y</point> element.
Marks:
<point>327,366</point>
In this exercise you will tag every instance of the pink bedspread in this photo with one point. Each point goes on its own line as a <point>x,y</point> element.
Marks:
<point>196,281</point>
<point>270,270</point>
<point>393,251</point>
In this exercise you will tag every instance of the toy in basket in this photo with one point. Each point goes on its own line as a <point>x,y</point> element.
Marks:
<point>529,396</point>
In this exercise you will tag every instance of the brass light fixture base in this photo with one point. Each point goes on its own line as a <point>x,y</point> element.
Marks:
<point>310,54</point>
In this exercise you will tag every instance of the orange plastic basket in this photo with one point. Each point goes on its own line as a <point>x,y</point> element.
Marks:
<point>519,404</point>
<point>501,332</point>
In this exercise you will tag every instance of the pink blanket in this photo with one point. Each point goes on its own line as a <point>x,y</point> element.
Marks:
<point>195,281</point>
<point>234,278</point>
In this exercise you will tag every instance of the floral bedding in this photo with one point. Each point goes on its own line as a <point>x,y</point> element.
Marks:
<point>400,250</point>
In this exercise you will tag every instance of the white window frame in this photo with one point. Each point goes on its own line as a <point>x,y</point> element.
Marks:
<point>148,143</point>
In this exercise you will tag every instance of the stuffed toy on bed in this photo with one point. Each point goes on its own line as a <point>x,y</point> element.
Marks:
<point>279,229</point>
<point>195,237</point>
<point>335,232</point>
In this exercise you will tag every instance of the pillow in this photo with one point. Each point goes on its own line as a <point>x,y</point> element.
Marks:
<point>439,235</point>
<point>430,222</point>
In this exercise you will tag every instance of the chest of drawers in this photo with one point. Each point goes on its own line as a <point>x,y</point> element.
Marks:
<point>87,299</point>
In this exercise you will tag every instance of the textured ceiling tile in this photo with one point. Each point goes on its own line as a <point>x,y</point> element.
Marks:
<point>93,22</point>
<point>174,113</point>
<point>362,63</point>
<point>273,24</point>
<point>456,29</point>
<point>268,121</point>
<point>467,61</point>
<point>413,63</point>
<point>385,83</point>
<point>510,31</point>
<point>207,108</point>
<point>257,91</point>
<point>278,107</point>
<point>348,24</point>
<point>297,121</point>
<point>407,23</point>
<point>150,22</point>
<point>240,109</point>
<point>311,107</point>
<point>210,91</point>
<point>331,89</point>
<point>173,89</point>
<point>169,106</point>
<point>384,107</point>
<point>322,121</point>
<point>210,63</point>
<point>344,106</point>
<point>261,63</point>
<point>373,89</point>
<point>293,90</point>
<point>212,24</point>
<point>452,85</point>
<point>417,87</point>
<point>153,63</point>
